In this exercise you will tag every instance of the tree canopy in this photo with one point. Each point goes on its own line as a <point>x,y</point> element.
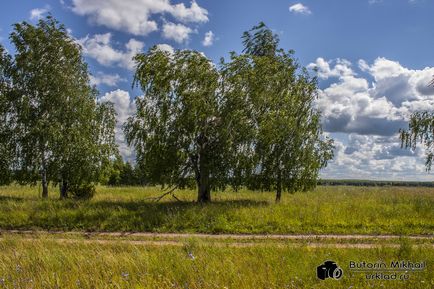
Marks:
<point>6,143</point>
<point>184,125</point>
<point>61,133</point>
<point>420,130</point>
<point>289,147</point>
<point>260,41</point>
<point>249,121</point>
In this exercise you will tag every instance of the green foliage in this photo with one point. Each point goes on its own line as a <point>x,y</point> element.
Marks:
<point>183,125</point>
<point>260,41</point>
<point>6,136</point>
<point>62,134</point>
<point>420,130</point>
<point>289,148</point>
<point>249,121</point>
<point>124,174</point>
<point>83,191</point>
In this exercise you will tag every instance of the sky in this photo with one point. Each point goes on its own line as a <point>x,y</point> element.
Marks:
<point>374,60</point>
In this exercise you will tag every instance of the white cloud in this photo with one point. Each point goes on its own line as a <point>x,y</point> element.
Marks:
<point>375,157</point>
<point>107,79</point>
<point>341,67</point>
<point>134,16</point>
<point>300,9</point>
<point>208,40</point>
<point>383,68</point>
<point>354,105</point>
<point>177,32</point>
<point>193,14</point>
<point>125,107</point>
<point>123,104</point>
<point>166,47</point>
<point>99,47</point>
<point>37,13</point>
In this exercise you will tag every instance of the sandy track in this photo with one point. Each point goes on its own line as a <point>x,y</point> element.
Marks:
<point>223,236</point>
<point>219,244</point>
<point>223,240</point>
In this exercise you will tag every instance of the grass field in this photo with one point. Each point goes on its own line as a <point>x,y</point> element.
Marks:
<point>82,260</point>
<point>338,210</point>
<point>44,263</point>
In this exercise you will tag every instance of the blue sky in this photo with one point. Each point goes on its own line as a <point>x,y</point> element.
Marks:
<point>374,60</point>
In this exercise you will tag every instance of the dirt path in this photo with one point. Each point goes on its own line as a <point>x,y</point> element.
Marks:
<point>220,244</point>
<point>222,236</point>
<point>223,240</point>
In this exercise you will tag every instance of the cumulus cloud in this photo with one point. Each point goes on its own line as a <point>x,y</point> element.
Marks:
<point>299,8</point>
<point>193,14</point>
<point>38,13</point>
<point>364,105</point>
<point>177,32</point>
<point>166,47</point>
<point>134,16</point>
<point>99,47</point>
<point>106,79</point>
<point>354,104</point>
<point>383,68</point>
<point>208,40</point>
<point>375,157</point>
<point>124,107</point>
<point>341,67</point>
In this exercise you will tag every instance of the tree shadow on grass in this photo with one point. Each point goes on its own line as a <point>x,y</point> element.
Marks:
<point>11,198</point>
<point>142,216</point>
<point>164,205</point>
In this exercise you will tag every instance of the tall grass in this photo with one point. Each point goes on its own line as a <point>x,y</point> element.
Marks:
<point>342,210</point>
<point>43,263</point>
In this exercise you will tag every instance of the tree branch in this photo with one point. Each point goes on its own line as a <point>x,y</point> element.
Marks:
<point>170,192</point>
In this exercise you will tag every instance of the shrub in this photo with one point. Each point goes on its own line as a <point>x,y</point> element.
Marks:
<point>86,191</point>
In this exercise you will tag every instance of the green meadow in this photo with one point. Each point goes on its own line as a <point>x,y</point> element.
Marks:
<point>327,210</point>
<point>35,259</point>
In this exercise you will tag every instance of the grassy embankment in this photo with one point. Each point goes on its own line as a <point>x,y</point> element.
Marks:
<point>338,210</point>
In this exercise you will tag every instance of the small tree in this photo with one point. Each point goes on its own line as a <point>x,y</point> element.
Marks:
<point>184,125</point>
<point>420,130</point>
<point>87,146</point>
<point>6,124</point>
<point>289,147</point>
<point>62,134</point>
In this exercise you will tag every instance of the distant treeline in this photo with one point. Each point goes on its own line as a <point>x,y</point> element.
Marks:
<point>371,183</point>
<point>124,174</point>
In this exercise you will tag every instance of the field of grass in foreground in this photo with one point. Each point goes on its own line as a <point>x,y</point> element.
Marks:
<point>339,210</point>
<point>45,263</point>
